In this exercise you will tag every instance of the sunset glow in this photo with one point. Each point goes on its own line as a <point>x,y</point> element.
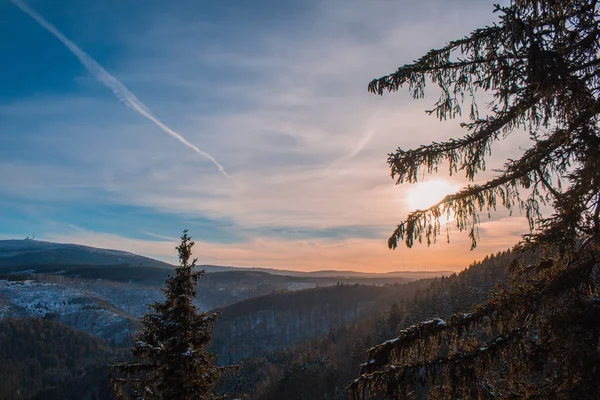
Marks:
<point>423,195</point>
<point>264,143</point>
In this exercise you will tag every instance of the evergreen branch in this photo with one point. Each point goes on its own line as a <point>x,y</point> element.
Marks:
<point>563,281</point>
<point>546,184</point>
<point>465,153</point>
<point>405,74</point>
<point>468,202</point>
<point>415,368</point>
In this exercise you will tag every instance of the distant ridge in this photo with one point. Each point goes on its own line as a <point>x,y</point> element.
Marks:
<point>329,273</point>
<point>45,256</point>
<point>32,254</point>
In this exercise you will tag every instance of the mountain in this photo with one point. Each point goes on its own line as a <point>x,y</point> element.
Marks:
<point>30,253</point>
<point>92,262</point>
<point>77,260</point>
<point>412,275</point>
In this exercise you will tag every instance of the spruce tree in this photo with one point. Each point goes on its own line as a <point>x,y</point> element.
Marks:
<point>171,357</point>
<point>539,336</point>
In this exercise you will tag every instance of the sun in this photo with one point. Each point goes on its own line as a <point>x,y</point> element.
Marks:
<point>425,194</point>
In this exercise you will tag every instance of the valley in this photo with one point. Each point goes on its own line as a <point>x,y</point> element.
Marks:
<point>103,292</point>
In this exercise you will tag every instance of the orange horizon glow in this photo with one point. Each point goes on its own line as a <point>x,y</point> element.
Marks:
<point>355,254</point>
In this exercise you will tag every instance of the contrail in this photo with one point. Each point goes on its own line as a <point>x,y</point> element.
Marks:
<point>119,90</point>
<point>369,134</point>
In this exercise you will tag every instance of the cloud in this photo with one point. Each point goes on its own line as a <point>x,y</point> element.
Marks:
<point>286,108</point>
<point>312,94</point>
<point>118,89</point>
<point>162,249</point>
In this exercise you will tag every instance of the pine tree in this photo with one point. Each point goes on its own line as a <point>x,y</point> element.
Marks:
<point>172,362</point>
<point>538,337</point>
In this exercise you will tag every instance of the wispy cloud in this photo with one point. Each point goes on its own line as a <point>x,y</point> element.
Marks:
<point>288,112</point>
<point>308,141</point>
<point>118,89</point>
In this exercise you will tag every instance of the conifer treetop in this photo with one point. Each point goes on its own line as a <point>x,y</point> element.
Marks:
<point>171,357</point>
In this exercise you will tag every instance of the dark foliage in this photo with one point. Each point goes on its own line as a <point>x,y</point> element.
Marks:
<point>43,359</point>
<point>279,320</point>
<point>539,337</point>
<point>327,364</point>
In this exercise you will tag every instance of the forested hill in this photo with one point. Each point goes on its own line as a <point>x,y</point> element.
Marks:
<point>282,319</point>
<point>323,367</point>
<point>43,359</point>
<point>28,253</point>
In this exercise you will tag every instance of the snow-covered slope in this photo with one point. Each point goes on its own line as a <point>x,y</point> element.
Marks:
<point>71,305</point>
<point>103,308</point>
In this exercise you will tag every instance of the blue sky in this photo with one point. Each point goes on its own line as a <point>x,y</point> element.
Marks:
<point>125,153</point>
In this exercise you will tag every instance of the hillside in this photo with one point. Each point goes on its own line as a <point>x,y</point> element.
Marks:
<point>40,255</point>
<point>74,304</point>
<point>278,320</point>
<point>43,359</point>
<point>291,343</point>
<point>321,368</point>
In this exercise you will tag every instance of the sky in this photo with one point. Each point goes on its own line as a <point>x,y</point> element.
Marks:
<point>248,123</point>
